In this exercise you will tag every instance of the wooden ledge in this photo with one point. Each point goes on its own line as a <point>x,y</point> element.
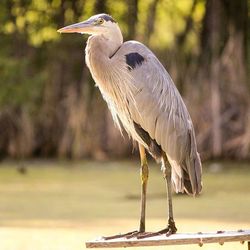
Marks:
<point>175,239</point>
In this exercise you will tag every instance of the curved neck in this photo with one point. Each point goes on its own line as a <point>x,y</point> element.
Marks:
<point>106,43</point>
<point>99,50</point>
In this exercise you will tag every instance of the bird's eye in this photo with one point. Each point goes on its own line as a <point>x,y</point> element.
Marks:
<point>100,21</point>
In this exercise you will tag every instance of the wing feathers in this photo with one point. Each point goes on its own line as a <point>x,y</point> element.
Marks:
<point>160,111</point>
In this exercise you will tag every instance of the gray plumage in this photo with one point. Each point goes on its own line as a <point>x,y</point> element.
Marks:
<point>146,95</point>
<point>142,99</point>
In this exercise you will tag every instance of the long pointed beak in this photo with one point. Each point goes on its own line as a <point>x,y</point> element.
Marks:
<point>82,27</point>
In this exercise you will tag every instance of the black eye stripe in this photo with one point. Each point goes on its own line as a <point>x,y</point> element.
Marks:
<point>107,18</point>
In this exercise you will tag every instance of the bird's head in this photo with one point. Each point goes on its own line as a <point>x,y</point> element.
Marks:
<point>100,24</point>
<point>103,27</point>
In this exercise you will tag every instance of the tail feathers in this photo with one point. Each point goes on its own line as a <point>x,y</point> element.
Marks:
<point>192,169</point>
<point>190,179</point>
<point>192,186</point>
<point>182,184</point>
<point>188,186</point>
<point>186,176</point>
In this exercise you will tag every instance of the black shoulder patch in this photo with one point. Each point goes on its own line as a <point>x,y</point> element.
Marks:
<point>153,147</point>
<point>108,18</point>
<point>134,59</point>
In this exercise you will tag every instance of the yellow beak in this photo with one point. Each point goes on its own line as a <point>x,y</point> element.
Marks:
<point>82,27</point>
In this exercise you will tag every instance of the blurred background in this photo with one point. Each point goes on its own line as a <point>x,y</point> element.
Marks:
<point>49,106</point>
<point>66,173</point>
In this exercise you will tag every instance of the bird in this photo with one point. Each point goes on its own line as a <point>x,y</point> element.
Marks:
<point>144,102</point>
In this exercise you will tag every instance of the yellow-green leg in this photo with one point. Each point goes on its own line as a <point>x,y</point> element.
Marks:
<point>166,168</point>
<point>171,228</point>
<point>144,181</point>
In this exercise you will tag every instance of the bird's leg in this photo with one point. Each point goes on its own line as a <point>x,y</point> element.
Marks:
<point>171,228</point>
<point>144,180</point>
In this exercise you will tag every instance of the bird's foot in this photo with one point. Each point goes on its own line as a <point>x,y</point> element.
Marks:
<point>137,234</point>
<point>133,234</point>
<point>125,235</point>
<point>170,229</point>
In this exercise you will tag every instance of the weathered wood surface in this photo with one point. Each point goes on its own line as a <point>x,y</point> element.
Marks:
<point>176,239</point>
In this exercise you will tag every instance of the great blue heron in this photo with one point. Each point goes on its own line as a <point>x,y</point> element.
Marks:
<point>145,102</point>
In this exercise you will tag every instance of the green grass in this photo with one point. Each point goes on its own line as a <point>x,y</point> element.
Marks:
<point>59,205</point>
<point>81,191</point>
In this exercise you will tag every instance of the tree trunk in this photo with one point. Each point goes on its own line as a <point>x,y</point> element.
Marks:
<point>132,18</point>
<point>149,28</point>
<point>100,6</point>
<point>223,50</point>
